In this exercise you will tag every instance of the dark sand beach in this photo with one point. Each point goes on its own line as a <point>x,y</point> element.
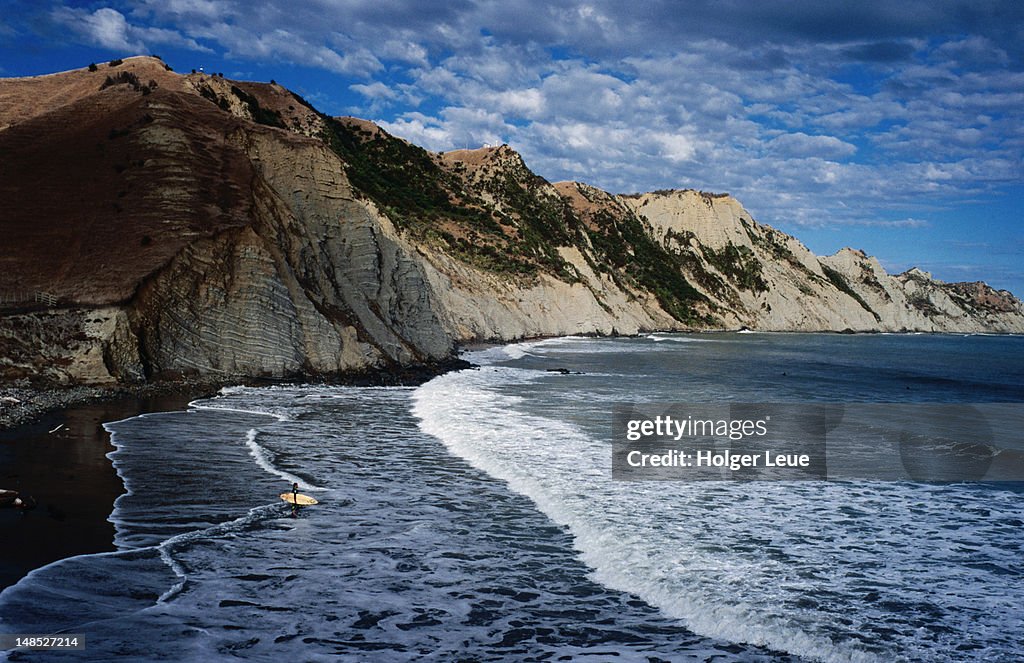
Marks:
<point>68,472</point>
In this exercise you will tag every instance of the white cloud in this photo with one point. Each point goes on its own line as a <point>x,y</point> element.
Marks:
<point>380,95</point>
<point>424,131</point>
<point>454,128</point>
<point>799,144</point>
<point>806,120</point>
<point>105,27</point>
<point>375,91</point>
<point>280,44</point>
<point>404,51</point>
<point>110,29</point>
<point>202,9</point>
<point>898,223</point>
<point>675,147</point>
<point>973,49</point>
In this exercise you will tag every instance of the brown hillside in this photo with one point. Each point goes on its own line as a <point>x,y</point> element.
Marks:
<point>104,183</point>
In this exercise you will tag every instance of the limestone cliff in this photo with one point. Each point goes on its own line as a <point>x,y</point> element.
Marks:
<point>764,279</point>
<point>162,225</point>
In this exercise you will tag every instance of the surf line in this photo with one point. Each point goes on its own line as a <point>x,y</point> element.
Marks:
<point>164,550</point>
<point>170,545</point>
<point>195,405</point>
<point>259,454</point>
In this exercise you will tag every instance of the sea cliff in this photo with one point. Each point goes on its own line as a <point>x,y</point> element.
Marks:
<point>168,226</point>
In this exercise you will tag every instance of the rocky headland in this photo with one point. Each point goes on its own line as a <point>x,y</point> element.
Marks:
<point>185,227</point>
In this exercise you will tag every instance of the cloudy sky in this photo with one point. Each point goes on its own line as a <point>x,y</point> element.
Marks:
<point>892,126</point>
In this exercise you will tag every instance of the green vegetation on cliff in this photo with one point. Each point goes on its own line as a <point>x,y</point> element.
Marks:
<point>259,114</point>
<point>403,179</point>
<point>507,219</point>
<point>739,265</point>
<point>432,202</point>
<point>841,284</point>
<point>624,249</point>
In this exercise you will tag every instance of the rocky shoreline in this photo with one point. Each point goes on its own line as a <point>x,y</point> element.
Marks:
<point>23,402</point>
<point>54,448</point>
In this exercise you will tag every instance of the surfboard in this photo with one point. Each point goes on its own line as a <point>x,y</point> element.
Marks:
<point>299,499</point>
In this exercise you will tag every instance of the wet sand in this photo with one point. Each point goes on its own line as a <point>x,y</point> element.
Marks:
<point>68,472</point>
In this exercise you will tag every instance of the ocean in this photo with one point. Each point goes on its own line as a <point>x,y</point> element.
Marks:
<point>476,518</point>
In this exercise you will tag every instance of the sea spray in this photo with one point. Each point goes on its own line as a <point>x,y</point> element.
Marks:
<point>829,570</point>
<point>568,476</point>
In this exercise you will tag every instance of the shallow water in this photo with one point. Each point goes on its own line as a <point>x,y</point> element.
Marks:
<point>411,555</point>
<point>475,517</point>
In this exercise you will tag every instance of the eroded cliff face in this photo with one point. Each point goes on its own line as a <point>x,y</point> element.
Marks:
<point>764,279</point>
<point>319,282</point>
<point>235,249</point>
<point>164,226</point>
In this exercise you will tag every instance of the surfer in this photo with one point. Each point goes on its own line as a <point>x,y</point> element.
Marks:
<point>297,499</point>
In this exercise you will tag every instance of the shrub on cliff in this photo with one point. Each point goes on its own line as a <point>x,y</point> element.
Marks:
<point>259,114</point>
<point>122,78</point>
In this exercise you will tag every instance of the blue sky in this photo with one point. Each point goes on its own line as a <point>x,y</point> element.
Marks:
<point>895,127</point>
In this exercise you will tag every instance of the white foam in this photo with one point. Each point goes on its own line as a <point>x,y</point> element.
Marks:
<point>34,573</point>
<point>679,338</point>
<point>839,571</point>
<point>236,389</point>
<point>167,547</point>
<point>112,456</point>
<point>526,348</point>
<point>213,405</point>
<point>517,351</point>
<point>566,475</point>
<point>260,454</point>
<point>262,458</point>
<point>127,539</point>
